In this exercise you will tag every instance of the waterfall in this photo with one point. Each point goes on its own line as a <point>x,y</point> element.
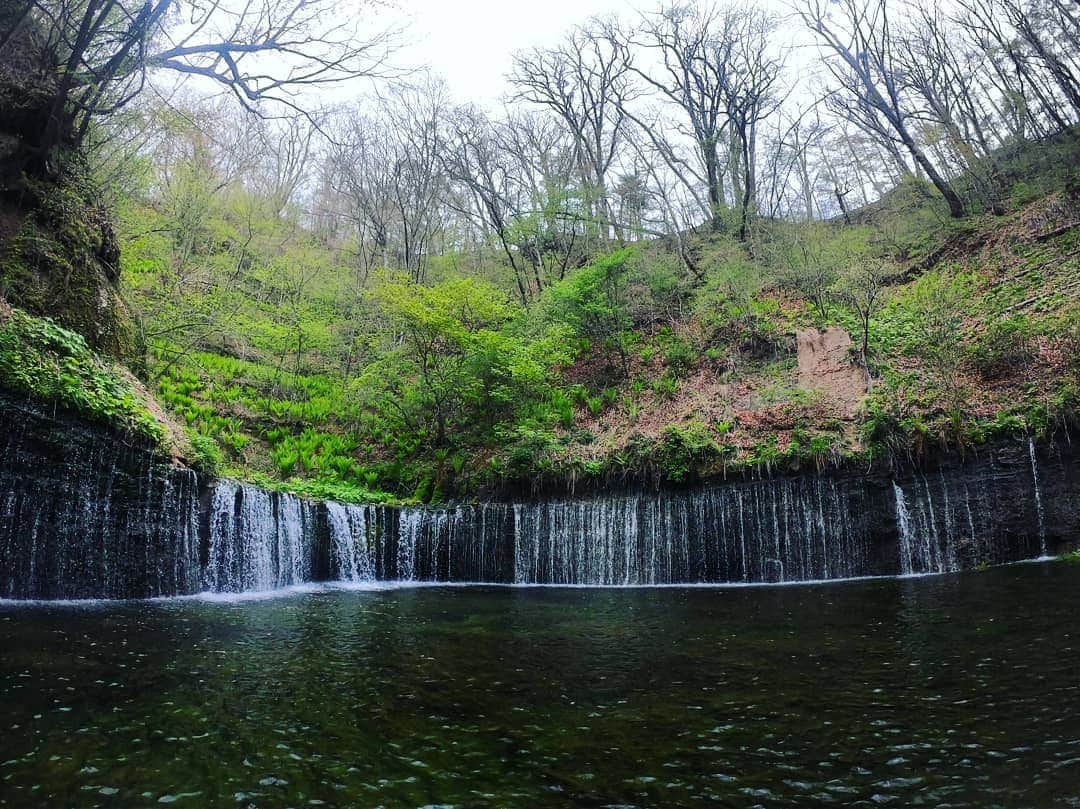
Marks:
<point>927,537</point>
<point>932,551</point>
<point>259,540</point>
<point>1038,497</point>
<point>954,522</point>
<point>769,531</point>
<point>903,525</point>
<point>409,523</point>
<point>222,560</point>
<point>81,518</point>
<point>293,529</point>
<point>83,515</point>
<point>462,543</point>
<point>351,551</point>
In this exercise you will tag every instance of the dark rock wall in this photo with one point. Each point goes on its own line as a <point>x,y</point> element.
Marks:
<point>85,514</point>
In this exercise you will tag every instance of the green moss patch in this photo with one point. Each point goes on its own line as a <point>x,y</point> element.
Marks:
<point>56,366</point>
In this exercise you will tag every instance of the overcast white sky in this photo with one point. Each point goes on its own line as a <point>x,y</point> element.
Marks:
<point>470,42</point>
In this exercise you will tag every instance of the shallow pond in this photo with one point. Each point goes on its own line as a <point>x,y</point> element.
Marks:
<point>961,690</point>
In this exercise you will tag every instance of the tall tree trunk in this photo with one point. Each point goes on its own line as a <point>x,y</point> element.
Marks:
<point>715,178</point>
<point>952,199</point>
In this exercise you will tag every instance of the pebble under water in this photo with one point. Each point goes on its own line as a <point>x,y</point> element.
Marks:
<point>956,690</point>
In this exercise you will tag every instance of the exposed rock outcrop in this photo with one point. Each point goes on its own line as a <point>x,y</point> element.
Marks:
<point>59,254</point>
<point>826,366</point>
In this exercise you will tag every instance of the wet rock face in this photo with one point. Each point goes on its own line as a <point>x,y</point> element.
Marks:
<point>1017,501</point>
<point>84,514</point>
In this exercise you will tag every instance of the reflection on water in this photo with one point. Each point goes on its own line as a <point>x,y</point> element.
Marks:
<point>957,690</point>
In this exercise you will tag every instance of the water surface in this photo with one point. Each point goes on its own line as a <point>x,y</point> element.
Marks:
<point>959,690</point>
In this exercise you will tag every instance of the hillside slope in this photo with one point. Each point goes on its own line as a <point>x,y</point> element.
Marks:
<point>975,344</point>
<point>289,369</point>
<point>811,346</point>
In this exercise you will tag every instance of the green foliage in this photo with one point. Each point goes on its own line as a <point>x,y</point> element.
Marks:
<point>811,256</point>
<point>53,364</point>
<point>293,362</point>
<point>562,408</point>
<point>592,300</point>
<point>594,303</point>
<point>528,450</point>
<point>450,370</point>
<point>861,286</point>
<point>678,352</point>
<point>666,386</point>
<point>725,301</point>
<point>908,222</point>
<point>684,448</point>
<point>1070,340</point>
<point>323,489</point>
<point>207,457</point>
<point>730,307</point>
<point>659,287</point>
<point>925,319</point>
<point>1005,346</point>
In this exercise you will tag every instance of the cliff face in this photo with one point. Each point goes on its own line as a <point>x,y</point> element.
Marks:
<point>59,255</point>
<point>85,512</point>
<point>59,258</point>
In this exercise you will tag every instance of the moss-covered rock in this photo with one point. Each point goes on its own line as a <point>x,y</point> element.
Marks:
<point>60,259</point>
<point>55,367</point>
<point>59,256</point>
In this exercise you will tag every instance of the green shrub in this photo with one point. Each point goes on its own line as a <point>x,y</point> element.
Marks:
<point>1023,192</point>
<point>594,302</point>
<point>54,364</point>
<point>684,449</point>
<point>207,456</point>
<point>666,386</point>
<point>726,299</point>
<point>527,450</point>
<point>562,406</point>
<point>286,461</point>
<point>1006,346</point>
<point>679,354</point>
<point>661,288</point>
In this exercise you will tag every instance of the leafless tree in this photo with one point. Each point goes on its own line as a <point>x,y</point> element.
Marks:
<point>871,90</point>
<point>579,81</point>
<point>98,54</point>
<point>387,164</point>
<point>552,225</point>
<point>945,99</point>
<point>750,95</point>
<point>414,115</point>
<point>1019,58</point>
<point>285,158</point>
<point>477,163</point>
<point>361,172</point>
<point>693,46</point>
